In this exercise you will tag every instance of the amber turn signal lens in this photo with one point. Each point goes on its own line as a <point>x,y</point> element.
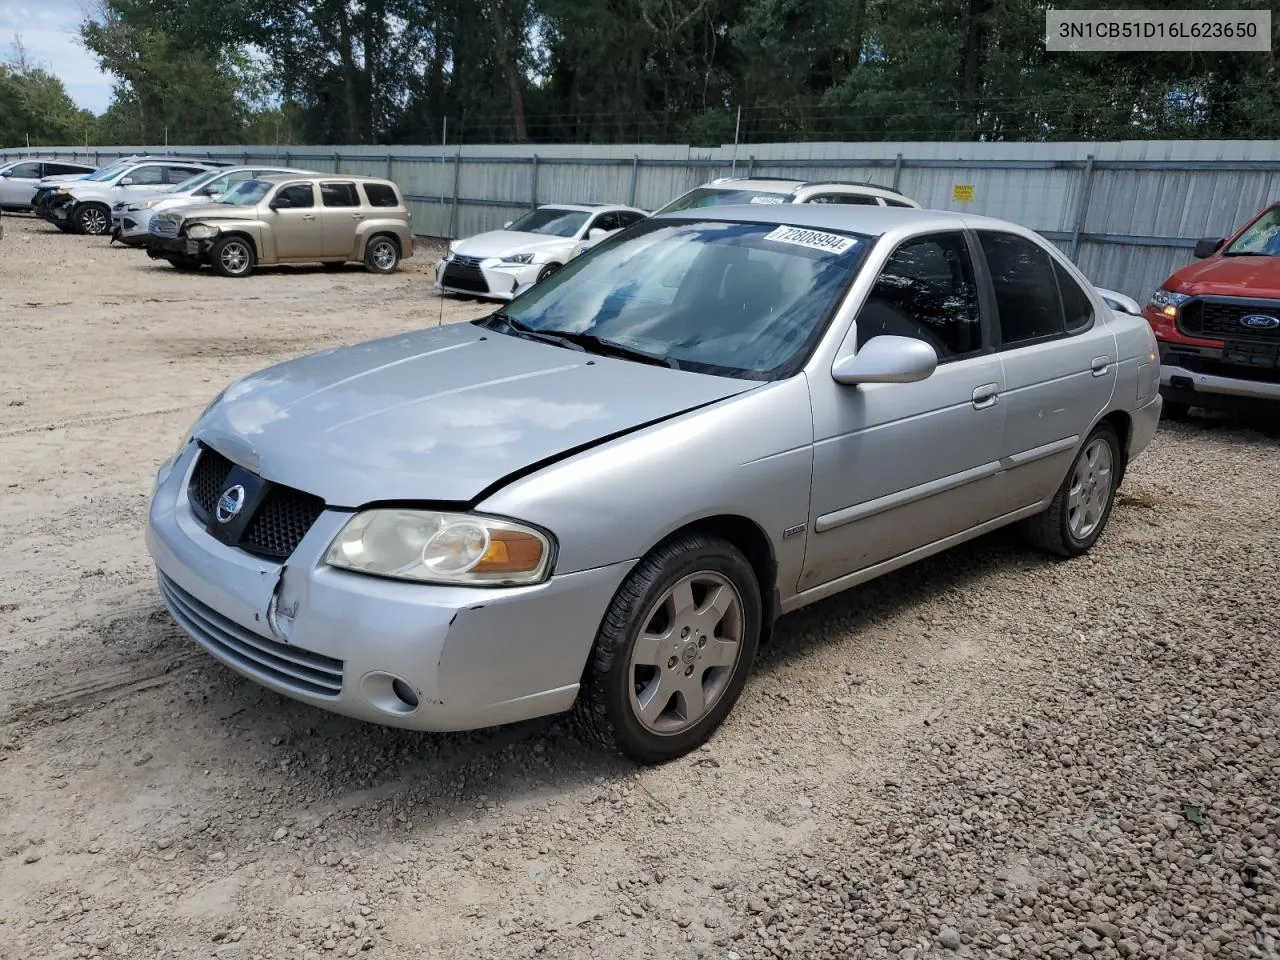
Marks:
<point>510,551</point>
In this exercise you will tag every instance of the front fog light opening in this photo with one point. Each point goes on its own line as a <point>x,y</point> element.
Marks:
<point>390,694</point>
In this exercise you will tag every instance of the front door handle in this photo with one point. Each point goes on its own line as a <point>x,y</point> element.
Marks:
<point>357,216</point>
<point>308,216</point>
<point>1100,366</point>
<point>986,396</point>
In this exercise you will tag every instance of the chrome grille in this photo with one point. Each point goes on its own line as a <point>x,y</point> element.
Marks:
<point>462,261</point>
<point>300,670</point>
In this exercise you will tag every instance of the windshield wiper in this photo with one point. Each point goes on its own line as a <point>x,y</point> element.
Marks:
<point>1248,253</point>
<point>521,329</point>
<point>605,346</point>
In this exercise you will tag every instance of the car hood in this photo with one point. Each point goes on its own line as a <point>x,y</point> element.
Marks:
<point>64,178</point>
<point>1255,277</point>
<point>218,211</point>
<point>500,243</point>
<point>438,415</point>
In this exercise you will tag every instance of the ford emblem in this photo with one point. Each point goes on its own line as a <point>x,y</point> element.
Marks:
<point>229,504</point>
<point>1260,321</point>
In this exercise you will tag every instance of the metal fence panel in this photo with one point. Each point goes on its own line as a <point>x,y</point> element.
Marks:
<point>1127,212</point>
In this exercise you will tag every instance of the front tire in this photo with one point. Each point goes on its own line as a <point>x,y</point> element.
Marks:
<point>232,257</point>
<point>92,220</point>
<point>547,271</point>
<point>673,651</point>
<point>1082,506</point>
<point>382,255</point>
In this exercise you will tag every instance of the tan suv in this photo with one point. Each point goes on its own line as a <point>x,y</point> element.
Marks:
<point>288,218</point>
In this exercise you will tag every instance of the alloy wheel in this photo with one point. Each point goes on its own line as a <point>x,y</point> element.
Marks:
<point>1090,489</point>
<point>686,654</point>
<point>234,257</point>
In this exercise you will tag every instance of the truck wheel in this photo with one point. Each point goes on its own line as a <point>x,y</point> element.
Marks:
<point>382,254</point>
<point>232,257</point>
<point>673,651</point>
<point>1082,506</point>
<point>93,219</point>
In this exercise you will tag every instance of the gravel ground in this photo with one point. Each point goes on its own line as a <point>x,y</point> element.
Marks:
<point>987,755</point>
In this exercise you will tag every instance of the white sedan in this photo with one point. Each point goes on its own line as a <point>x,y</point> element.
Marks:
<point>496,263</point>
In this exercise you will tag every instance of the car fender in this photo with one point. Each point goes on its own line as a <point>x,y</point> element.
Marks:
<point>748,456</point>
<point>375,225</point>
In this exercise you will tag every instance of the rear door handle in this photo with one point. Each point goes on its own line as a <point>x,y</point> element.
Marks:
<point>986,396</point>
<point>308,216</point>
<point>1100,365</point>
<point>357,216</point>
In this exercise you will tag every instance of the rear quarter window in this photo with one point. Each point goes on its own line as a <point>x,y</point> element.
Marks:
<point>381,195</point>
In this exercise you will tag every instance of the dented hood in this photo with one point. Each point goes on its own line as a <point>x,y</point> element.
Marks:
<point>438,415</point>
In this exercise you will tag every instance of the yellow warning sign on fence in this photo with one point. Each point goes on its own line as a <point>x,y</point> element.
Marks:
<point>962,193</point>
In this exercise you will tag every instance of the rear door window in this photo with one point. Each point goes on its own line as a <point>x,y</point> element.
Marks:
<point>381,195</point>
<point>63,169</point>
<point>339,194</point>
<point>1026,288</point>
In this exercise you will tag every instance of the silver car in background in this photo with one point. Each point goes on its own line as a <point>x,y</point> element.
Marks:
<point>601,497</point>
<point>131,219</point>
<point>20,178</point>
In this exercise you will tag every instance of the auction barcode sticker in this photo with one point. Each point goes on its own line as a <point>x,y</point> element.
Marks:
<point>814,239</point>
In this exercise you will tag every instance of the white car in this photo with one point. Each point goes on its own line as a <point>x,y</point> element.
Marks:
<point>84,206</point>
<point>19,178</point>
<point>530,249</point>
<point>131,219</point>
<point>731,191</point>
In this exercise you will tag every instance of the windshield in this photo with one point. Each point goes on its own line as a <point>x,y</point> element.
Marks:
<point>733,299</point>
<point>197,181</point>
<point>1260,238</point>
<point>715,197</point>
<point>552,222</point>
<point>109,171</point>
<point>247,194</point>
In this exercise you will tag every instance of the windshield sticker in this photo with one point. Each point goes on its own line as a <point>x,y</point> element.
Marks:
<point>813,239</point>
<point>766,199</point>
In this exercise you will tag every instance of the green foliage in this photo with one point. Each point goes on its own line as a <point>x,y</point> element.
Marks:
<point>394,71</point>
<point>34,105</point>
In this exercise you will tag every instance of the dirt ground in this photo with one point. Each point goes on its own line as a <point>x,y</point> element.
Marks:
<point>989,754</point>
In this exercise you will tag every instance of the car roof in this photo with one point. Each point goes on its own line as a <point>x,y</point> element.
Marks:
<point>790,185</point>
<point>588,207</point>
<point>873,221</point>
<point>316,177</point>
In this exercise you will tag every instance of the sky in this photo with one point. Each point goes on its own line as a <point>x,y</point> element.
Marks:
<point>49,31</point>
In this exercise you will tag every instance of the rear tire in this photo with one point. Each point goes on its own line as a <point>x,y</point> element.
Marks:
<point>92,219</point>
<point>233,256</point>
<point>382,254</point>
<point>1082,506</point>
<point>673,651</point>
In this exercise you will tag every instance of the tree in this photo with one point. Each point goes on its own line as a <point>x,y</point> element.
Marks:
<point>34,105</point>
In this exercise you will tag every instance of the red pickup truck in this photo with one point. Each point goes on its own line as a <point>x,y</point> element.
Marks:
<point>1218,321</point>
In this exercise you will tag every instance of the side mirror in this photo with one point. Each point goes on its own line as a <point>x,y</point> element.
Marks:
<point>596,233</point>
<point>507,224</point>
<point>887,359</point>
<point>280,203</point>
<point>125,182</point>
<point>1119,302</point>
<point>1207,247</point>
<point>6,173</point>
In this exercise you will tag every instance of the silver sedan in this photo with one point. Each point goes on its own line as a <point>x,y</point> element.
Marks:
<point>601,497</point>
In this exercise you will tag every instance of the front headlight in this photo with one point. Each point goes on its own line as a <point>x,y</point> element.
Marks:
<point>519,258</point>
<point>148,204</point>
<point>201,231</point>
<point>444,548</point>
<point>1166,302</point>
